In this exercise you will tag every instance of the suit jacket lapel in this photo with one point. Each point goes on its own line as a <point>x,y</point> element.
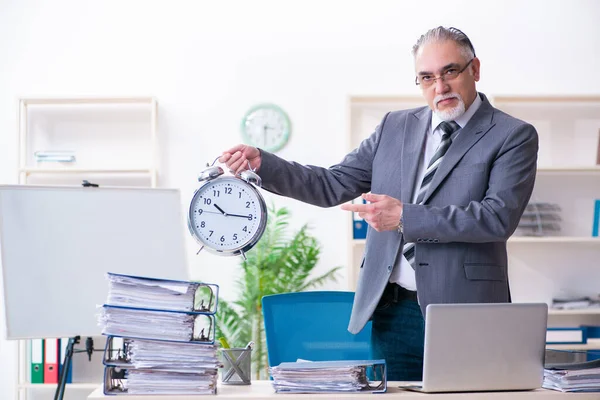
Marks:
<point>476,128</point>
<point>417,126</point>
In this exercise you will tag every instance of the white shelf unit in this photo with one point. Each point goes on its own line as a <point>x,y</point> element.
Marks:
<point>540,268</point>
<point>113,139</point>
<point>115,144</point>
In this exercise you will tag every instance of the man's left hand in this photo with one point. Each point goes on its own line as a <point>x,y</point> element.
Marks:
<point>382,212</point>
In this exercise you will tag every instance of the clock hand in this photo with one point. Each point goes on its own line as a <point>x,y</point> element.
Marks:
<point>211,212</point>
<point>238,215</point>
<point>220,209</point>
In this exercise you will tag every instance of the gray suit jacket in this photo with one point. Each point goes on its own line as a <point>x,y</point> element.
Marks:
<point>473,204</point>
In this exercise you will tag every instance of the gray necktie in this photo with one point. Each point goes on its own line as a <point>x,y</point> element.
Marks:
<point>448,128</point>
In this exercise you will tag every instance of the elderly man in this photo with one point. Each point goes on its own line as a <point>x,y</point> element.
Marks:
<point>448,184</point>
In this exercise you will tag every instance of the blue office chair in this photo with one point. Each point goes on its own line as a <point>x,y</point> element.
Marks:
<point>312,326</point>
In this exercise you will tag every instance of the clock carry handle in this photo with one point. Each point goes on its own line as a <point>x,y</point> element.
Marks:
<point>214,171</point>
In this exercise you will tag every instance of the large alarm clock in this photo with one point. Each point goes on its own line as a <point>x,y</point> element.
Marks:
<point>227,214</point>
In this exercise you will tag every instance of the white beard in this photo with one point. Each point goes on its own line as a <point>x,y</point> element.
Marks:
<point>452,113</point>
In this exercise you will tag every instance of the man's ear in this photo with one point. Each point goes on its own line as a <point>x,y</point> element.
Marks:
<point>475,65</point>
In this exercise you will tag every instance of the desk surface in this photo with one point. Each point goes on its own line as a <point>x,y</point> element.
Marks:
<point>264,390</point>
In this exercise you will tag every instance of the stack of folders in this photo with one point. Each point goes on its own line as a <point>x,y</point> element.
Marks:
<point>573,377</point>
<point>160,336</point>
<point>539,219</point>
<point>367,376</point>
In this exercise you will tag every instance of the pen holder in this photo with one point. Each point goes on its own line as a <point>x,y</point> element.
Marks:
<point>237,366</point>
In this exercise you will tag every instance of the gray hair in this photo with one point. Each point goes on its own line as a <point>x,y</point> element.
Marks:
<point>441,34</point>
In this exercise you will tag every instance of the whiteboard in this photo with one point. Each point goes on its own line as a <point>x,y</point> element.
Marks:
<point>57,243</point>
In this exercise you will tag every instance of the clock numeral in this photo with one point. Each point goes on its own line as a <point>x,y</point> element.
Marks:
<point>207,201</point>
<point>222,238</point>
<point>210,233</point>
<point>202,224</point>
<point>235,236</point>
<point>245,229</point>
<point>228,190</point>
<point>239,195</point>
<point>216,193</point>
<point>249,217</point>
<point>199,211</point>
<point>247,204</point>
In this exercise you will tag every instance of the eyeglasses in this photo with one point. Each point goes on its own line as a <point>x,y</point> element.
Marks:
<point>447,75</point>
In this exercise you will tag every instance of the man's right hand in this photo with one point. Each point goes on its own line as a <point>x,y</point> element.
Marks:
<point>238,156</point>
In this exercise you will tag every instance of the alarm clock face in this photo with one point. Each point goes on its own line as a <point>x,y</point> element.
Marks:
<point>266,126</point>
<point>227,216</point>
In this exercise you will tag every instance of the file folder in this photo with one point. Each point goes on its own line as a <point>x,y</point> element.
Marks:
<point>118,381</point>
<point>37,360</point>
<point>358,376</point>
<point>50,360</point>
<point>575,335</point>
<point>62,354</point>
<point>157,324</point>
<point>359,225</point>
<point>596,223</point>
<point>162,294</point>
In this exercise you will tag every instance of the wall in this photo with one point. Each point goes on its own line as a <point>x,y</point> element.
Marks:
<point>208,62</point>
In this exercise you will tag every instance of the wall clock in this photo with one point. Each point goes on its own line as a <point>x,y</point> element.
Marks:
<point>227,214</point>
<point>266,126</point>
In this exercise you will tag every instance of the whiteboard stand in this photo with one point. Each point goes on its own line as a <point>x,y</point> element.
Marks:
<point>47,234</point>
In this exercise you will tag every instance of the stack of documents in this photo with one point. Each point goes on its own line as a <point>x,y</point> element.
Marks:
<point>160,336</point>
<point>129,291</point>
<point>573,377</point>
<point>539,219</point>
<point>367,376</point>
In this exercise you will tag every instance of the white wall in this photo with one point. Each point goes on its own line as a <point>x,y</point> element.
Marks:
<point>207,62</point>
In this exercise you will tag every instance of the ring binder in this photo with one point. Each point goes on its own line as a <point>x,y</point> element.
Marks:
<point>364,376</point>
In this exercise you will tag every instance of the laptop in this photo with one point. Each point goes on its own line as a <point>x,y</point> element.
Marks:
<point>483,347</point>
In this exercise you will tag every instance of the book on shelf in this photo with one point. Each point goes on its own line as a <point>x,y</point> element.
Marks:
<point>160,336</point>
<point>596,221</point>
<point>574,335</point>
<point>575,303</point>
<point>54,156</point>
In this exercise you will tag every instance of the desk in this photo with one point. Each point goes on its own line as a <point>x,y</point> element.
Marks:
<point>263,390</point>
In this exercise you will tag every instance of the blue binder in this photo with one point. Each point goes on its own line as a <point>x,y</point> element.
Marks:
<point>575,335</point>
<point>359,225</point>
<point>596,224</point>
<point>61,354</point>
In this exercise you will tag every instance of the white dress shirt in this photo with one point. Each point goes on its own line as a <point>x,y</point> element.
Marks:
<point>403,274</point>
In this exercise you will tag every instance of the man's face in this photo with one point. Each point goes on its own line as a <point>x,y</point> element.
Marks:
<point>447,98</point>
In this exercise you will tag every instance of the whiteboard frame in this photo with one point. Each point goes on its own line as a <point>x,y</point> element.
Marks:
<point>63,297</point>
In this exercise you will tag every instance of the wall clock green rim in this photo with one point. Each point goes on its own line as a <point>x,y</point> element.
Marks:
<point>286,133</point>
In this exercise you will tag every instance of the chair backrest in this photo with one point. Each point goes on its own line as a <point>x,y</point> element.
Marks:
<point>312,326</point>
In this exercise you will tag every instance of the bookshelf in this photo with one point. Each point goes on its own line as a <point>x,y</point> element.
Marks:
<point>540,267</point>
<point>113,140</point>
<point>114,143</point>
